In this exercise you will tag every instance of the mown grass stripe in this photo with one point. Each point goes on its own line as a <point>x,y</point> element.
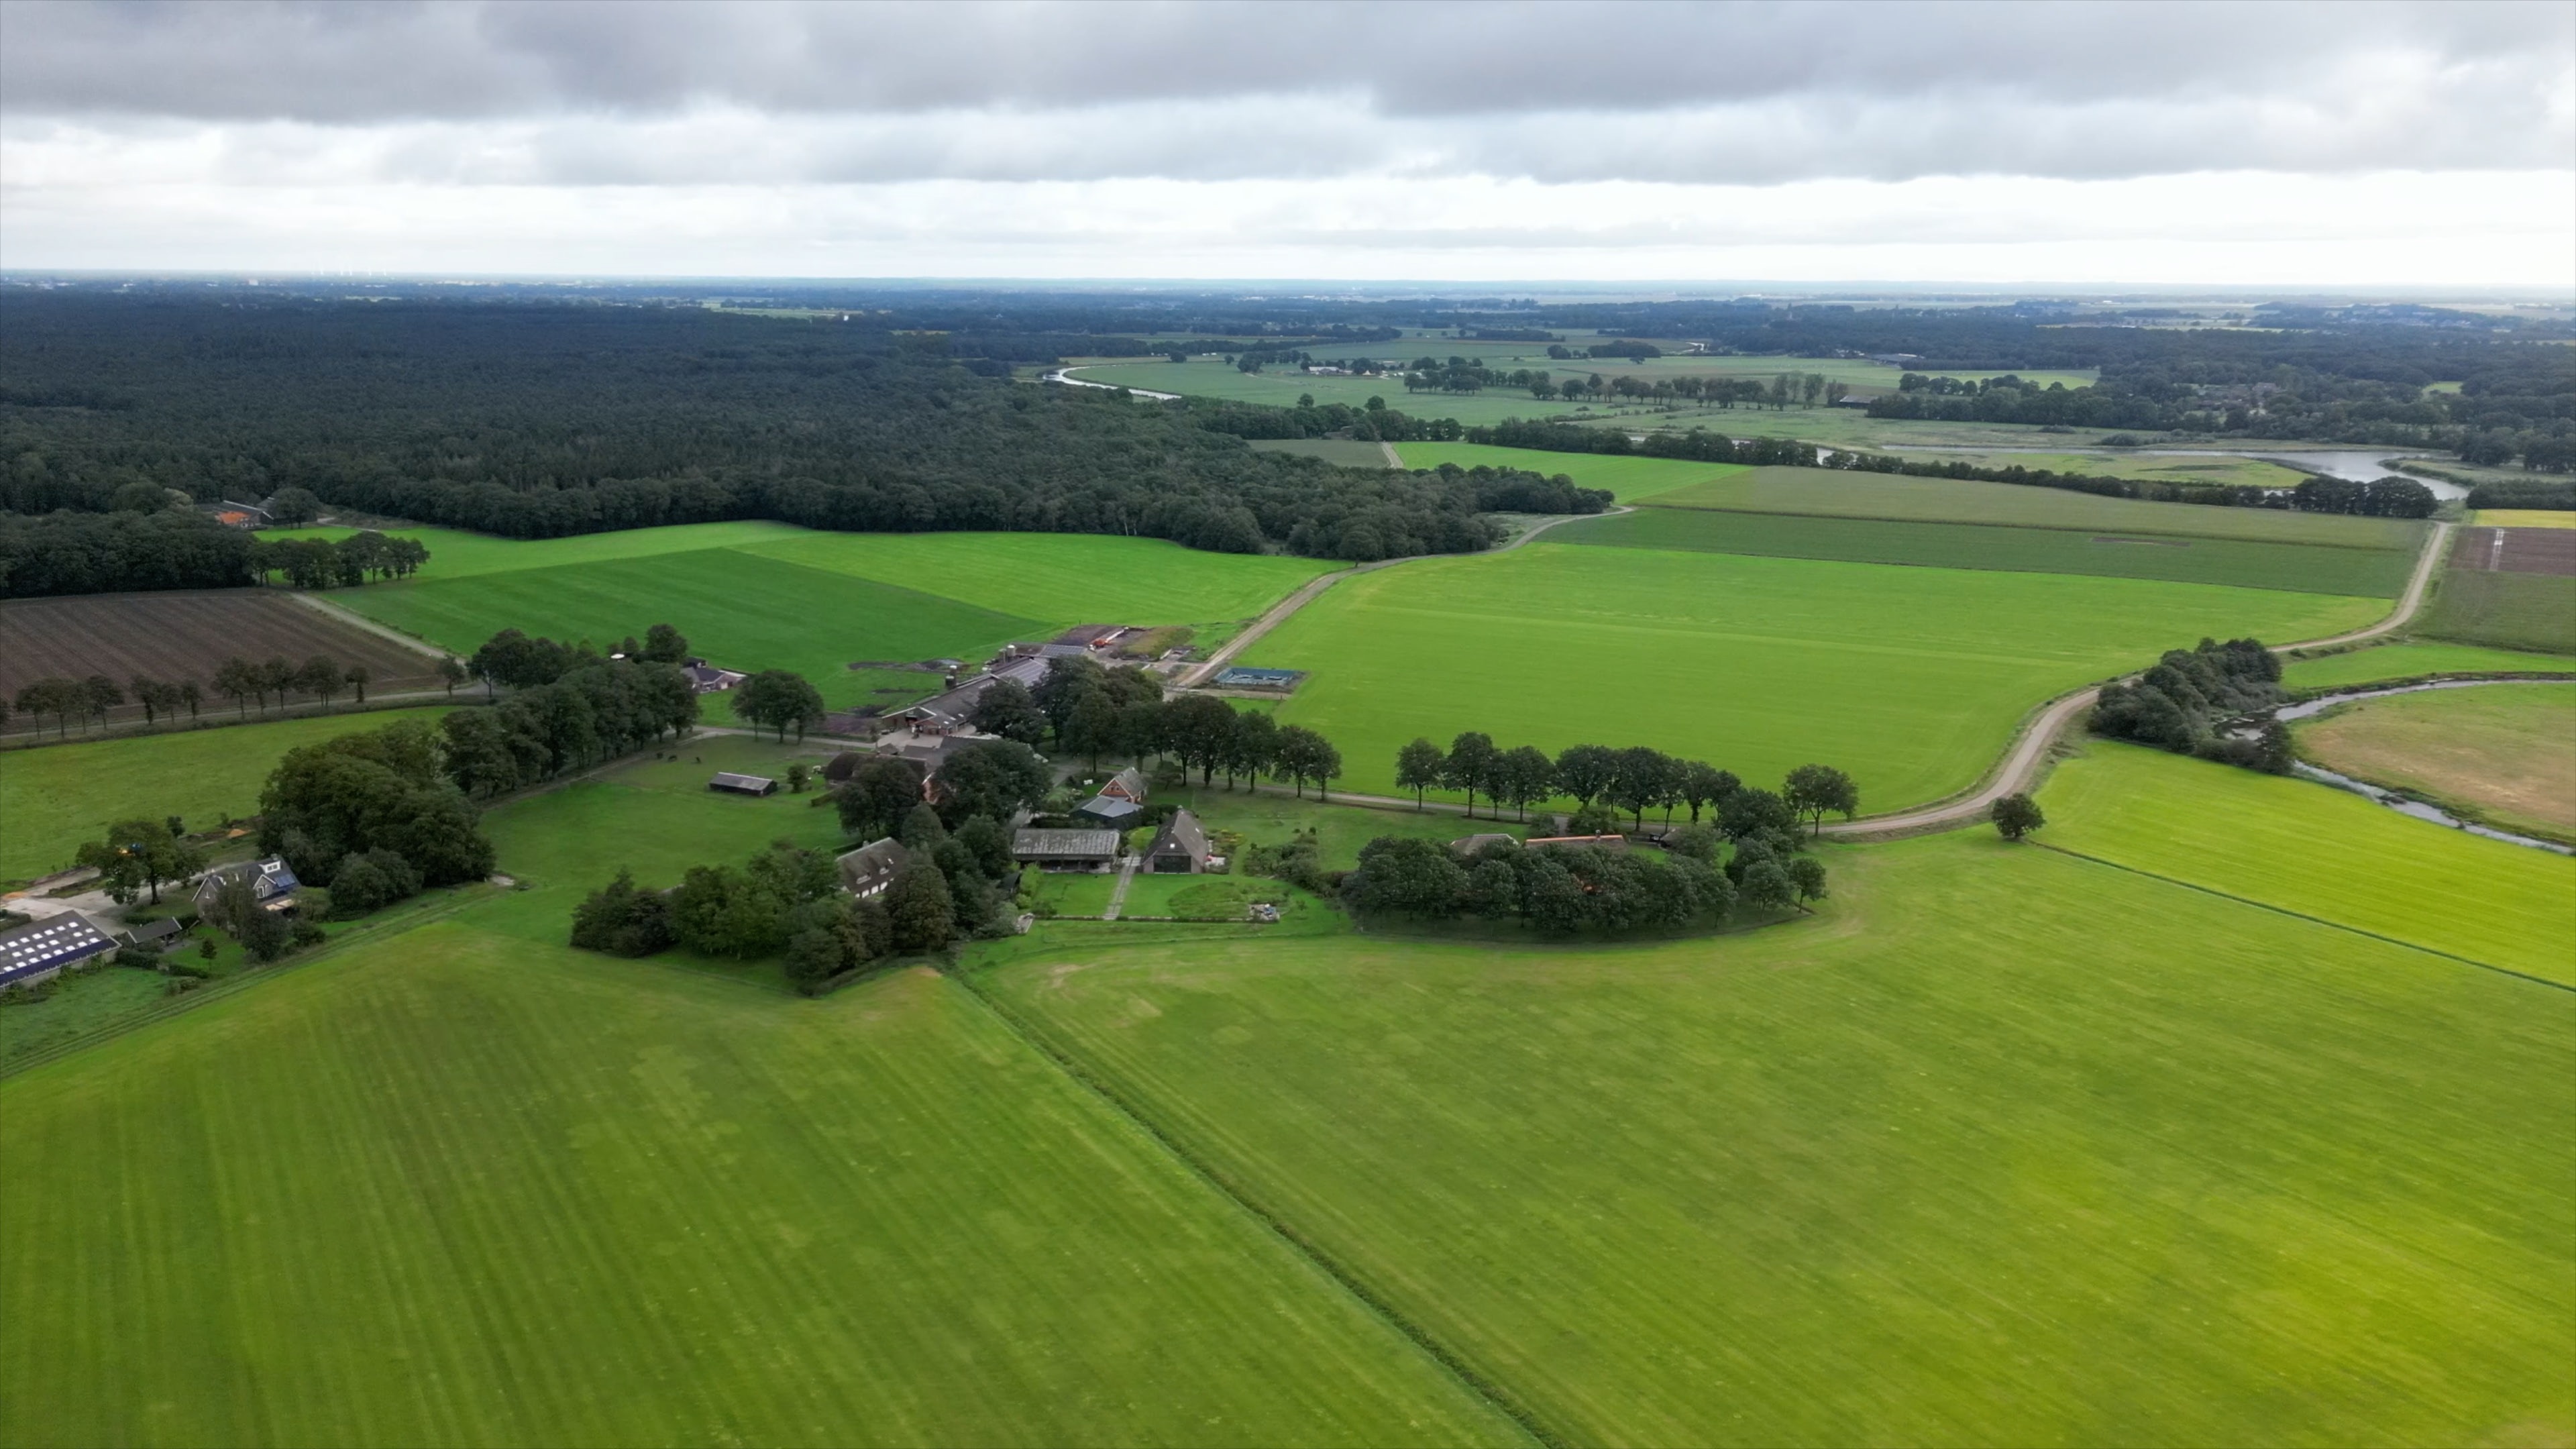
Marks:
<point>2314,920</point>
<point>1483,1385</point>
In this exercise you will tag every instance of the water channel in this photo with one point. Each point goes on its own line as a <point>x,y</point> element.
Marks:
<point>2359,467</point>
<point>2309,709</point>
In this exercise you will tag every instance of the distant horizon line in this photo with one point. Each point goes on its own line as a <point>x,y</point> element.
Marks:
<point>1674,288</point>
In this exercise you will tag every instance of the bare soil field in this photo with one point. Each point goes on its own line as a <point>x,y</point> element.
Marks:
<point>184,635</point>
<point>2516,550</point>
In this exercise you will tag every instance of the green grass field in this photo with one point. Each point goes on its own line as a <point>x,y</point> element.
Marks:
<point>2510,611</point>
<point>2161,468</point>
<point>465,1189</point>
<point>2317,851</point>
<point>2406,660</point>
<point>2242,563</point>
<point>57,796</point>
<point>768,596</point>
<point>1911,679</point>
<point>1628,479</point>
<point>2004,1147</point>
<point>1340,452</point>
<point>1835,493</point>
<point>2503,754</point>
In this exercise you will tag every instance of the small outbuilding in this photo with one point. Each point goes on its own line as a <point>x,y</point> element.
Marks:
<point>868,870</point>
<point>160,935</point>
<point>39,950</point>
<point>1066,849</point>
<point>733,784</point>
<point>272,885</point>
<point>1180,847</point>
<point>1110,812</point>
<point>705,678</point>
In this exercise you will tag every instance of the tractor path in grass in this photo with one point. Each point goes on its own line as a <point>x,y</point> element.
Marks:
<point>2021,764</point>
<point>1280,611</point>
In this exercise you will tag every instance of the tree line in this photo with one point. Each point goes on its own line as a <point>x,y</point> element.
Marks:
<point>1095,712</point>
<point>1601,780</point>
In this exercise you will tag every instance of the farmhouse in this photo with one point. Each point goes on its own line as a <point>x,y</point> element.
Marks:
<point>272,884</point>
<point>705,678</point>
<point>868,870</point>
<point>1181,847</point>
<point>1110,812</point>
<point>41,949</point>
<point>733,784</point>
<point>1066,849</point>
<point>1128,784</point>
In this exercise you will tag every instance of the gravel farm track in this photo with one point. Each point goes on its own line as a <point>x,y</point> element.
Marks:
<point>183,635</point>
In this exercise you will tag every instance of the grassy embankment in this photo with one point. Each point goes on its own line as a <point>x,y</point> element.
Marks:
<point>54,798</point>
<point>2315,851</point>
<point>2502,755</point>
<point>2004,1146</point>
<point>764,596</point>
<point>1909,678</point>
<point>2412,658</point>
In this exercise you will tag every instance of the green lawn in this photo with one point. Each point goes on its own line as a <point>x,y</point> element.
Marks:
<point>2243,563</point>
<point>2509,611</point>
<point>1340,830</point>
<point>1340,452</point>
<point>52,798</point>
<point>2499,754</point>
<point>2317,851</point>
<point>463,1188</point>
<point>2404,661</point>
<point>2004,1147</point>
<point>1911,679</point>
<point>1627,478</point>
<point>1951,500</point>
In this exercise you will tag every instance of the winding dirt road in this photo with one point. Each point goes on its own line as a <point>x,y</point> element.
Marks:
<point>2022,762</point>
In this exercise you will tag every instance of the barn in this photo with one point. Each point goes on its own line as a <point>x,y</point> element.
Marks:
<point>39,950</point>
<point>733,784</point>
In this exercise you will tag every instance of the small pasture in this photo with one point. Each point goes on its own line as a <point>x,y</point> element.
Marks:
<point>1835,493</point>
<point>2502,754</point>
<point>2506,610</point>
<point>2407,660</point>
<point>55,797</point>
<point>2243,563</point>
<point>1911,679</point>
<point>1340,452</point>
<point>2522,518</point>
<point>183,635</point>
<point>1628,478</point>
<point>2003,1147</point>
<point>2317,851</point>
<point>462,1187</point>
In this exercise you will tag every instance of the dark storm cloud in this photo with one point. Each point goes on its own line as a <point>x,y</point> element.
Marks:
<point>578,92</point>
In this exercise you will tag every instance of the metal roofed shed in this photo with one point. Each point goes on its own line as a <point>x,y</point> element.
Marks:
<point>1237,676</point>
<point>733,784</point>
<point>163,933</point>
<point>39,950</point>
<point>1066,849</point>
<point>1110,812</point>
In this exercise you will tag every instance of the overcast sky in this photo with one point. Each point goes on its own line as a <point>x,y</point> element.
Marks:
<point>2280,144</point>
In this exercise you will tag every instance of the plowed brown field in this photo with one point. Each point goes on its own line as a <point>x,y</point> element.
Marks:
<point>184,635</point>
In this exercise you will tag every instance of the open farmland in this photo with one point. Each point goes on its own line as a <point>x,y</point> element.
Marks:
<point>463,1188</point>
<point>1911,679</point>
<point>2319,852</point>
<point>2245,563</point>
<point>56,797</point>
<point>2504,754</point>
<point>2523,518</point>
<point>1627,478</point>
<point>2405,661</point>
<point>2507,610</point>
<point>2005,1147</point>
<point>456,554</point>
<point>1340,452</point>
<point>184,635</point>
<point>789,598</point>
<point>1835,493</point>
<point>2149,467</point>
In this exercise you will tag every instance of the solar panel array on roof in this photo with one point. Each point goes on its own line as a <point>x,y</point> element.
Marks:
<point>46,946</point>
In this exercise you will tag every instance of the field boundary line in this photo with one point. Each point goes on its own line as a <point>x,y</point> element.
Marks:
<point>241,981</point>
<point>2312,920</point>
<point>355,619</point>
<point>1649,502</point>
<point>1350,1282</point>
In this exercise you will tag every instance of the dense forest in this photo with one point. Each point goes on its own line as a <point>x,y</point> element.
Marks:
<point>538,419</point>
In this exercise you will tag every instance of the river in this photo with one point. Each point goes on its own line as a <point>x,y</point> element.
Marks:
<point>2309,709</point>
